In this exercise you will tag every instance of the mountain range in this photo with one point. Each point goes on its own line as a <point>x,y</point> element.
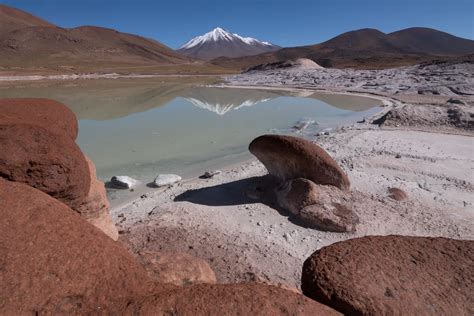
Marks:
<point>367,48</point>
<point>31,44</point>
<point>221,43</point>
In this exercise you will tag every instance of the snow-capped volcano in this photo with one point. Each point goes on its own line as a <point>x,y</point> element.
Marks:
<point>219,42</point>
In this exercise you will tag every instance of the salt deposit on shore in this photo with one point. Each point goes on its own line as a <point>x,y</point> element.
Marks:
<point>422,143</point>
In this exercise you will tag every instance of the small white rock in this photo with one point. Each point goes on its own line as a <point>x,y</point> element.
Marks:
<point>123,182</point>
<point>166,179</point>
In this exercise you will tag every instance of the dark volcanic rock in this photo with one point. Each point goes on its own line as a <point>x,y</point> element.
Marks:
<point>54,262</point>
<point>393,275</point>
<point>288,157</point>
<point>44,160</point>
<point>229,299</point>
<point>46,113</point>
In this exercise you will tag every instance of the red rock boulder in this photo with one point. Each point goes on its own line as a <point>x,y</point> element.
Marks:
<point>95,206</point>
<point>321,207</point>
<point>393,275</point>
<point>178,268</point>
<point>49,114</point>
<point>228,299</point>
<point>46,161</point>
<point>288,157</point>
<point>54,262</point>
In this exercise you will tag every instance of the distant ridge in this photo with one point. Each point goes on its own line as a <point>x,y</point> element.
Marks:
<point>367,48</point>
<point>13,19</point>
<point>28,41</point>
<point>219,42</point>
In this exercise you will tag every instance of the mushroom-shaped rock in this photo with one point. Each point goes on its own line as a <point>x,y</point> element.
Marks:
<point>178,268</point>
<point>48,114</point>
<point>54,262</point>
<point>288,157</point>
<point>228,299</point>
<point>46,161</point>
<point>393,275</point>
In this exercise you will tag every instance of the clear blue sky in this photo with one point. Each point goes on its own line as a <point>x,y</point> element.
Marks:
<point>283,22</point>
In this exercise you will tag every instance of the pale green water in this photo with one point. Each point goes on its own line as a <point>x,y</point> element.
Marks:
<point>141,128</point>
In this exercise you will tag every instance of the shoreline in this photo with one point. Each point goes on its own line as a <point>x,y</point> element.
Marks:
<point>90,76</point>
<point>143,188</point>
<point>244,240</point>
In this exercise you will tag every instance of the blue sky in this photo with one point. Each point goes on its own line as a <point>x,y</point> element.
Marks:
<point>283,22</point>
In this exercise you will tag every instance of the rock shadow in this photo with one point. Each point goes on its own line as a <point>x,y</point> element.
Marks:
<point>245,191</point>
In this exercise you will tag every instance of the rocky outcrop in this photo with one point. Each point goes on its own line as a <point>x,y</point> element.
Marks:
<point>95,206</point>
<point>228,299</point>
<point>46,161</point>
<point>318,206</point>
<point>48,114</point>
<point>37,137</point>
<point>178,268</point>
<point>54,262</point>
<point>288,157</point>
<point>393,275</point>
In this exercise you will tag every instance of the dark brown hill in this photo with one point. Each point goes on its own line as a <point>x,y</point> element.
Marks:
<point>29,42</point>
<point>367,48</point>
<point>14,19</point>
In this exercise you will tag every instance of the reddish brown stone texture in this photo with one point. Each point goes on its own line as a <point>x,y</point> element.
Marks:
<point>229,299</point>
<point>321,207</point>
<point>393,275</point>
<point>288,157</point>
<point>178,268</point>
<point>46,161</point>
<point>52,261</point>
<point>95,206</point>
<point>49,114</point>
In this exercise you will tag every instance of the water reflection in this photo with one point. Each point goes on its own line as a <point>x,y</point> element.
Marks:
<point>223,100</point>
<point>142,127</point>
<point>113,99</point>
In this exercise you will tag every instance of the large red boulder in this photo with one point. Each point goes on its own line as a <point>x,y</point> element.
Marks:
<point>288,157</point>
<point>46,161</point>
<point>178,268</point>
<point>49,114</point>
<point>95,206</point>
<point>54,262</point>
<point>393,275</point>
<point>228,299</point>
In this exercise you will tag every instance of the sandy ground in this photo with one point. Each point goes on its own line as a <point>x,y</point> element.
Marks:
<point>420,146</point>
